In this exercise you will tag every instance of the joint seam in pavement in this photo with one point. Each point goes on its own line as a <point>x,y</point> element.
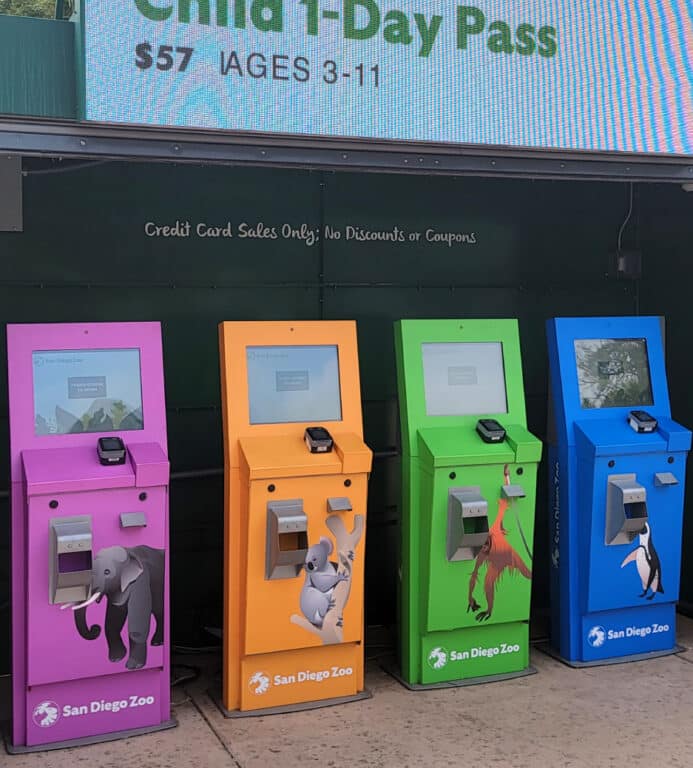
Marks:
<point>215,732</point>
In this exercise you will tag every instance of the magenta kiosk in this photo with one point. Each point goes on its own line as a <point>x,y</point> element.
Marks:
<point>90,619</point>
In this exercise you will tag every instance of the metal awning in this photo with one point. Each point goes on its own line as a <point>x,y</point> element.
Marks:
<point>24,136</point>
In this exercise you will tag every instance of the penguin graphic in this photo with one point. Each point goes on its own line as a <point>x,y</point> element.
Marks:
<point>647,562</point>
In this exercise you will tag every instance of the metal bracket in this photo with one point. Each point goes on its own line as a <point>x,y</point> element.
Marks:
<point>133,520</point>
<point>665,478</point>
<point>338,504</point>
<point>513,492</point>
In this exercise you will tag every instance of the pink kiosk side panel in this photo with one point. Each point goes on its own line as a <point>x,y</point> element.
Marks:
<point>68,688</point>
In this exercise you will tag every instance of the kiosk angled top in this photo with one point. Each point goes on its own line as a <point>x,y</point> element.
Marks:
<point>454,372</point>
<point>71,383</point>
<point>605,367</point>
<point>280,377</point>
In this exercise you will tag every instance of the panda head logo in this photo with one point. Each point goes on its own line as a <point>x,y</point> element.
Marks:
<point>596,637</point>
<point>46,714</point>
<point>259,683</point>
<point>437,658</point>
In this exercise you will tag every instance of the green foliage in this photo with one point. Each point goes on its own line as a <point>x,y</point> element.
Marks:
<point>118,411</point>
<point>43,9</point>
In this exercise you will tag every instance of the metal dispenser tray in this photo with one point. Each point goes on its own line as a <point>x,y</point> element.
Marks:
<point>69,569</point>
<point>287,539</point>
<point>467,523</point>
<point>626,509</point>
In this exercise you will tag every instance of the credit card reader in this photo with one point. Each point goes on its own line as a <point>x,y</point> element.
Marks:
<point>318,440</point>
<point>111,450</point>
<point>490,431</point>
<point>641,421</point>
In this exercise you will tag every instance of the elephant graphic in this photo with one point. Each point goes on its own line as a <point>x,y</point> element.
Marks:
<point>132,579</point>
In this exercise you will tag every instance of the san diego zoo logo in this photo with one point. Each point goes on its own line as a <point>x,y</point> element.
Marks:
<point>259,683</point>
<point>596,637</point>
<point>437,658</point>
<point>46,714</point>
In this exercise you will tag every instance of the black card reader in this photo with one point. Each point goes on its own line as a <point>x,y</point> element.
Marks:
<point>641,421</point>
<point>111,450</point>
<point>490,431</point>
<point>318,440</point>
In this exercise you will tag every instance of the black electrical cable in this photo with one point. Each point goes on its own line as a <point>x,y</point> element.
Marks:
<point>67,168</point>
<point>626,220</point>
<point>186,677</point>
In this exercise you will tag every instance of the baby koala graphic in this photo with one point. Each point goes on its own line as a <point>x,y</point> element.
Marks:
<point>322,577</point>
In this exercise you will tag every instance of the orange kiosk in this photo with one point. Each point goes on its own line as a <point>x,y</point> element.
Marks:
<point>295,514</point>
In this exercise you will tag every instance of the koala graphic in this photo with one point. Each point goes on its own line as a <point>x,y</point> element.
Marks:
<point>321,579</point>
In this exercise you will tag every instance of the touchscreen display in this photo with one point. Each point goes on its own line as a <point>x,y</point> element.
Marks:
<point>464,378</point>
<point>293,384</point>
<point>613,373</point>
<point>87,390</point>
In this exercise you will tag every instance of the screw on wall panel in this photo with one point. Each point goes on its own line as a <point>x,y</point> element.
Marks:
<point>453,475</point>
<point>347,483</point>
<point>493,162</point>
<point>612,463</point>
<point>143,496</point>
<point>82,143</point>
<point>53,504</point>
<point>271,487</point>
<point>670,460</point>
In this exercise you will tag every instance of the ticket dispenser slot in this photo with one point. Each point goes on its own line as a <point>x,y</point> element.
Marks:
<point>626,509</point>
<point>467,523</point>
<point>70,559</point>
<point>287,539</point>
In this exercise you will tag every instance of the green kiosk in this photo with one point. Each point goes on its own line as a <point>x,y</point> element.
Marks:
<point>469,470</point>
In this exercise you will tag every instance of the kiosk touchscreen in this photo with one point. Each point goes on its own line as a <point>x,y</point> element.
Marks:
<point>89,469</point>
<point>618,465</point>
<point>469,479</point>
<point>296,482</point>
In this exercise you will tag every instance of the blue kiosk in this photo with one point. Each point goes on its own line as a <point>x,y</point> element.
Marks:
<point>617,471</point>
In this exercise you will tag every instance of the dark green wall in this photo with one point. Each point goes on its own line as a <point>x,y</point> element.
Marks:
<point>37,67</point>
<point>666,238</point>
<point>541,250</point>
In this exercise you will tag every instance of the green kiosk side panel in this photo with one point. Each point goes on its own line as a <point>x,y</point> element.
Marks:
<point>467,505</point>
<point>409,655</point>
